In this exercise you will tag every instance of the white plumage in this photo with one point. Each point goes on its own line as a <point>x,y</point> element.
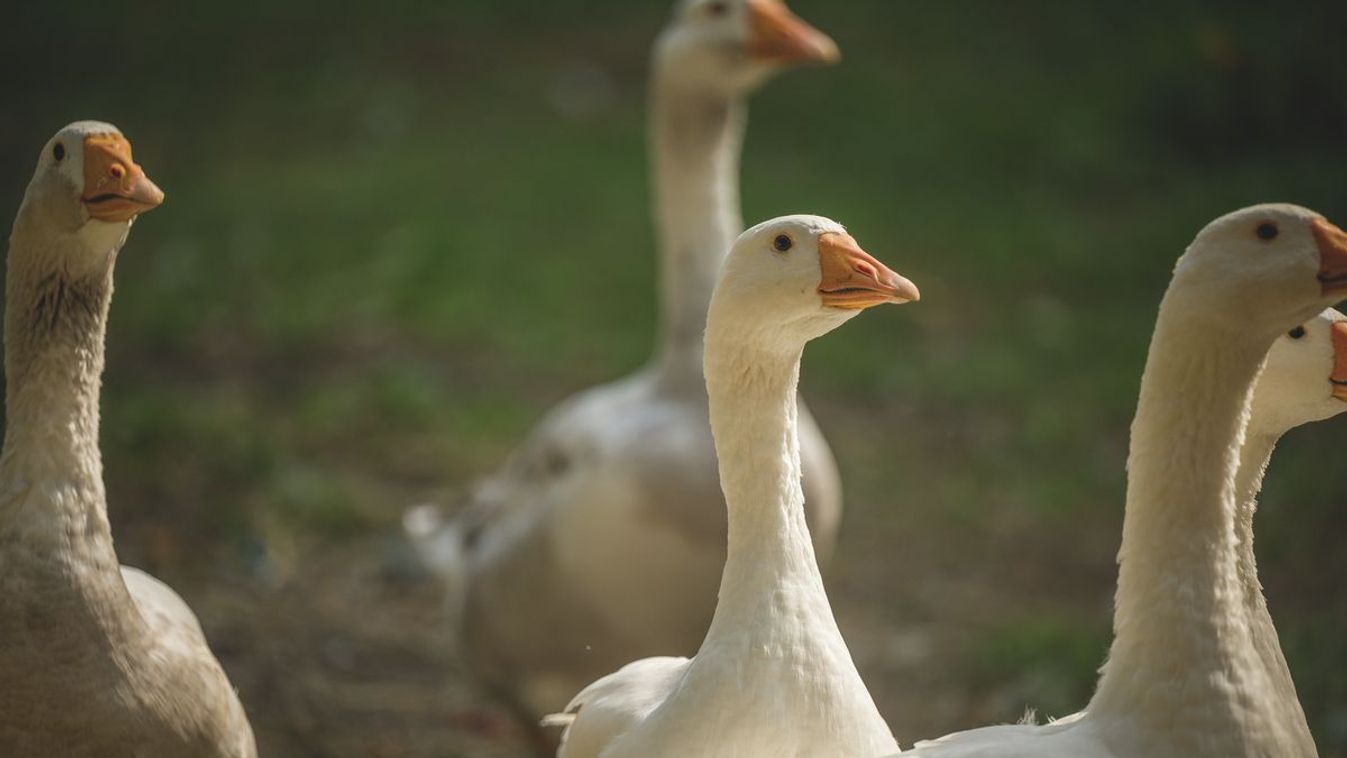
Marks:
<point>1195,668</point>
<point>773,676</point>
<point>603,537</point>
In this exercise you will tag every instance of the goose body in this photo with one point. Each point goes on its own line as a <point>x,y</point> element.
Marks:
<point>96,659</point>
<point>773,676</point>
<point>1195,669</point>
<point>603,537</point>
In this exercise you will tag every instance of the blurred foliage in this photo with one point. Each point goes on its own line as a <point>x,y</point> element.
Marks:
<point>1042,658</point>
<point>397,232</point>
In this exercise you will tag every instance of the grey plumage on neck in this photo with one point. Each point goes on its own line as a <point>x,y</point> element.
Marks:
<point>97,660</point>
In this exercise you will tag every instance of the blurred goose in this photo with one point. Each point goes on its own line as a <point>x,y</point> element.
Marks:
<point>96,659</point>
<point>1195,669</point>
<point>603,538</point>
<point>773,676</point>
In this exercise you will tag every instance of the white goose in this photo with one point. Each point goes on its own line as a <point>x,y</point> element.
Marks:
<point>603,538</point>
<point>1195,669</point>
<point>773,676</point>
<point>1292,391</point>
<point>96,659</point>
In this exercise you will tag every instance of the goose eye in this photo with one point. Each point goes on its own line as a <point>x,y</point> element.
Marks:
<point>1296,333</point>
<point>1267,231</point>
<point>718,8</point>
<point>58,151</point>
<point>782,243</point>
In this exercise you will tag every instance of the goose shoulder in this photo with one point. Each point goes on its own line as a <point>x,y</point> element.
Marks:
<point>619,478</point>
<point>635,448</point>
<point>1070,737</point>
<point>163,609</point>
<point>652,450</point>
<point>610,706</point>
<point>176,639</point>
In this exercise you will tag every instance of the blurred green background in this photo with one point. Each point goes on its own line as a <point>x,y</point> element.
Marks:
<point>397,232</point>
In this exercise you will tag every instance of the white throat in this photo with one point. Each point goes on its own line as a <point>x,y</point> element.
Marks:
<point>752,395</point>
<point>773,624</point>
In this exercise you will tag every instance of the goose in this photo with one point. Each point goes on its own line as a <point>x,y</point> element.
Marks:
<point>1195,668</point>
<point>602,538</point>
<point>96,659</point>
<point>1291,392</point>
<point>773,676</point>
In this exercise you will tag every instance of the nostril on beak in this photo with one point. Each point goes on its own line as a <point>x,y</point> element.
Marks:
<point>867,271</point>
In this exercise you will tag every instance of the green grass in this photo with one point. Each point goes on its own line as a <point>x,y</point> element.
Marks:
<point>386,252</point>
<point>1049,662</point>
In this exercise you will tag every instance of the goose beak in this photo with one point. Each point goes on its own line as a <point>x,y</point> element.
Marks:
<point>115,188</point>
<point>1340,360</point>
<point>778,36</point>
<point>853,279</point>
<point>1332,256</point>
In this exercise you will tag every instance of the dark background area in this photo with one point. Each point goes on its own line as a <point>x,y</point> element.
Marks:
<point>398,232</point>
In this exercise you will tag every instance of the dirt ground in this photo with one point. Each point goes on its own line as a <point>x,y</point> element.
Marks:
<point>346,658</point>
<point>339,649</point>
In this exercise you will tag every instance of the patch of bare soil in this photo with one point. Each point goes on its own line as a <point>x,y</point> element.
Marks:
<point>347,657</point>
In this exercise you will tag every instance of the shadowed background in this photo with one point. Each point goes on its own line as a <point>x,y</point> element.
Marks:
<point>398,232</point>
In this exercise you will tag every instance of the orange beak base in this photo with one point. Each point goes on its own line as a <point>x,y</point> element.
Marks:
<point>115,188</point>
<point>853,279</point>
<point>1339,377</point>
<point>1332,257</point>
<point>779,36</point>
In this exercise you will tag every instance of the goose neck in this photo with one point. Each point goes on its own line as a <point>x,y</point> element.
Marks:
<point>1254,459</point>
<point>753,407</point>
<point>696,137</point>
<point>55,324</point>
<point>1180,611</point>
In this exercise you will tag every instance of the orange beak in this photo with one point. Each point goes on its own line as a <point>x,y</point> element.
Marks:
<point>778,36</point>
<point>1340,360</point>
<point>853,279</point>
<point>1332,256</point>
<point>115,188</point>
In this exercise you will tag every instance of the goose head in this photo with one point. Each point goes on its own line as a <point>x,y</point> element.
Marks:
<point>1305,379</point>
<point>87,184</point>
<point>1277,265</point>
<point>791,279</point>
<point>733,46</point>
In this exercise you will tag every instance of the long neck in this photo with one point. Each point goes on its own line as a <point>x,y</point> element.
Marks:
<point>1254,459</point>
<point>1183,661</point>
<point>696,140</point>
<point>773,630</point>
<point>51,484</point>
<point>770,568</point>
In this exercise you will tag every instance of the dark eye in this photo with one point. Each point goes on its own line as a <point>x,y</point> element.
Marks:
<point>1297,333</point>
<point>58,151</point>
<point>782,243</point>
<point>1268,231</point>
<point>718,8</point>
